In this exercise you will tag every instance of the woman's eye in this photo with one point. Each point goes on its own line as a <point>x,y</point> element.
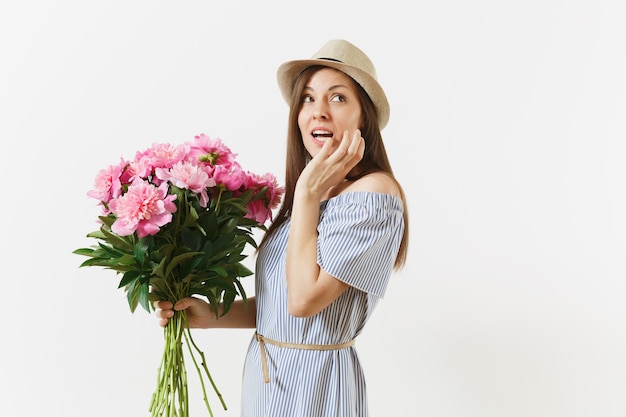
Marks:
<point>307,99</point>
<point>338,98</point>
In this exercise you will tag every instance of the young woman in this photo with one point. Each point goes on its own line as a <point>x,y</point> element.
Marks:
<point>326,259</point>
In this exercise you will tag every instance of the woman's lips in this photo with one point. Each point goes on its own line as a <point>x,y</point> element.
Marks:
<point>321,135</point>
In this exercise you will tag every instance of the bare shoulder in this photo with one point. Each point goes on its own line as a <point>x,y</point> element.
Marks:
<point>377,182</point>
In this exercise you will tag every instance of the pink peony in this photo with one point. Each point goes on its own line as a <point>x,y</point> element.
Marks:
<point>212,151</point>
<point>143,208</point>
<point>233,177</point>
<point>188,176</point>
<point>261,210</point>
<point>159,155</point>
<point>258,211</point>
<point>107,184</point>
<point>274,191</point>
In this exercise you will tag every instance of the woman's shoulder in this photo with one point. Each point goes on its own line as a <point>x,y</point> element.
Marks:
<point>375,182</point>
<point>376,190</point>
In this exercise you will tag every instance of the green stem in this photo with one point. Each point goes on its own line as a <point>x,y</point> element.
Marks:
<point>219,200</point>
<point>172,389</point>
<point>206,369</point>
<point>206,400</point>
<point>171,396</point>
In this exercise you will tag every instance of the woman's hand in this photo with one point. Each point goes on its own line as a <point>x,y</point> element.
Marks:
<point>199,313</point>
<point>331,165</point>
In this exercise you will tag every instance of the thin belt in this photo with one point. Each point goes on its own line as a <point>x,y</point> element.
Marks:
<point>263,340</point>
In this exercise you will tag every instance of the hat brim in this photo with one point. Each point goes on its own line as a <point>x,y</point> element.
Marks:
<point>289,71</point>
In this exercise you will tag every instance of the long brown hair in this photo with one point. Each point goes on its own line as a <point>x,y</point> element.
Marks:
<point>374,158</point>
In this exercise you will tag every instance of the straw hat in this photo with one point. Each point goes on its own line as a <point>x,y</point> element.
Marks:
<point>346,57</point>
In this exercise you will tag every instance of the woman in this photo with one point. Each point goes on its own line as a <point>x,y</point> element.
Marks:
<point>326,259</point>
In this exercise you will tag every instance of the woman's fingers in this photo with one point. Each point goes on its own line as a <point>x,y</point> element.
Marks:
<point>162,305</point>
<point>335,159</point>
<point>185,303</point>
<point>357,147</point>
<point>182,304</point>
<point>164,310</point>
<point>350,149</point>
<point>164,314</point>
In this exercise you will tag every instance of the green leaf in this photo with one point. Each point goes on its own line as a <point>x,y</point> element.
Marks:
<point>84,251</point>
<point>140,249</point>
<point>165,250</point>
<point>128,278</point>
<point>208,222</point>
<point>219,269</point>
<point>242,292</point>
<point>243,271</point>
<point>144,296</point>
<point>177,260</point>
<point>132,295</point>
<point>127,260</point>
<point>237,205</point>
<point>192,217</point>
<point>229,225</point>
<point>106,262</point>
<point>191,238</point>
<point>156,295</point>
<point>97,234</point>
<point>111,251</point>
<point>214,301</point>
<point>159,269</point>
<point>250,240</point>
<point>221,254</point>
<point>107,220</point>
<point>227,302</point>
<point>260,194</point>
<point>123,243</point>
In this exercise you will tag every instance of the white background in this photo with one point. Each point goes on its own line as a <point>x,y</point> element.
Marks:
<point>508,131</point>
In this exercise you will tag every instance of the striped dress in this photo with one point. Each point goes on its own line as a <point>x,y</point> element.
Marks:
<point>359,237</point>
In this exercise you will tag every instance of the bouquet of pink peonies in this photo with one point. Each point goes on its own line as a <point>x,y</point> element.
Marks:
<point>175,222</point>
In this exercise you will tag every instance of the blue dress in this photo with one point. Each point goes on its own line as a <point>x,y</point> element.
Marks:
<point>359,237</point>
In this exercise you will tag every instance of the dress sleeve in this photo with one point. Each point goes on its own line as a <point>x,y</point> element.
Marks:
<point>359,237</point>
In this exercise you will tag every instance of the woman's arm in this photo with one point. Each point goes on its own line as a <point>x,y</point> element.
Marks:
<point>200,315</point>
<point>310,289</point>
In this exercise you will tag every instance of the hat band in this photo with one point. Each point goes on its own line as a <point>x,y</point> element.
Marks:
<point>331,59</point>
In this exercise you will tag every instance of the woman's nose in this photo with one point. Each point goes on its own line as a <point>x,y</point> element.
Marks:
<point>320,111</point>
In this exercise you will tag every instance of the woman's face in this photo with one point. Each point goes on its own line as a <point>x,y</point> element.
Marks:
<point>330,106</point>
